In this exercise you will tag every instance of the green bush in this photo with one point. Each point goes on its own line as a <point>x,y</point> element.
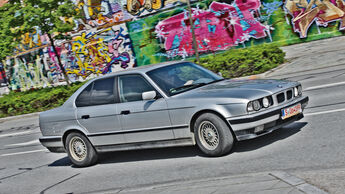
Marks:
<point>244,62</point>
<point>231,63</point>
<point>16,103</point>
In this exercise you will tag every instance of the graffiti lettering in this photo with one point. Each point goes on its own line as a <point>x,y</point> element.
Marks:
<point>219,28</point>
<point>304,13</point>
<point>91,53</point>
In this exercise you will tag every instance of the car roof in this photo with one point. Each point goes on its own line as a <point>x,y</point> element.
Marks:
<point>141,69</point>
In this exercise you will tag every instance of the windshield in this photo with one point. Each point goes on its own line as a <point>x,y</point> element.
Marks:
<point>181,77</point>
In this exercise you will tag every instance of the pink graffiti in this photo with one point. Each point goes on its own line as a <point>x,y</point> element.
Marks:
<point>219,28</point>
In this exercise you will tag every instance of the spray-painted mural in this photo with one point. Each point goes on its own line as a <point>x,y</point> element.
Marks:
<point>220,27</point>
<point>98,52</point>
<point>144,7</point>
<point>99,13</point>
<point>120,34</point>
<point>90,53</point>
<point>304,13</point>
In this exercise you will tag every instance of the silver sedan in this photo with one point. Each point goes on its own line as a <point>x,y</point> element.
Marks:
<point>169,104</point>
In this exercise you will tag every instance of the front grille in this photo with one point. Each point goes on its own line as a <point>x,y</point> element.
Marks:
<point>289,94</point>
<point>280,97</point>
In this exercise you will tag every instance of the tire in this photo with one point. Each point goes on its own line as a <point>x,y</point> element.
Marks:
<point>212,135</point>
<point>80,150</point>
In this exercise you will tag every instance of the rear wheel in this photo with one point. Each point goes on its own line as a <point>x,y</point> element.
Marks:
<point>212,134</point>
<point>80,150</point>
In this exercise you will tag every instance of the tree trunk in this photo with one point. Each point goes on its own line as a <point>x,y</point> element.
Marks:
<point>59,59</point>
<point>195,45</point>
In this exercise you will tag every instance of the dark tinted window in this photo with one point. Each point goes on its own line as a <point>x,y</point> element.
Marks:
<point>181,77</point>
<point>84,97</point>
<point>103,92</point>
<point>131,87</point>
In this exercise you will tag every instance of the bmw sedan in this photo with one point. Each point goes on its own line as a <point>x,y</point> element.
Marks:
<point>164,105</point>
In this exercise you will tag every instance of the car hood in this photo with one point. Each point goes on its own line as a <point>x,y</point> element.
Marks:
<point>244,89</point>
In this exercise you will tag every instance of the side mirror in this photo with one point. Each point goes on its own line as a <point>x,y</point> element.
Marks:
<point>150,95</point>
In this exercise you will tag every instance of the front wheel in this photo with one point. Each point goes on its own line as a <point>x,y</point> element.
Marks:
<point>212,134</point>
<point>80,150</point>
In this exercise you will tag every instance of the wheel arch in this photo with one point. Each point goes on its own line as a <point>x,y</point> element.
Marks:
<point>197,114</point>
<point>69,131</point>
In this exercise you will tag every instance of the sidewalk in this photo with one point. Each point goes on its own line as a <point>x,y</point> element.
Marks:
<point>259,183</point>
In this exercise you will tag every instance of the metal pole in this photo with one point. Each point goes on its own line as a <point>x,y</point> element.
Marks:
<point>195,46</point>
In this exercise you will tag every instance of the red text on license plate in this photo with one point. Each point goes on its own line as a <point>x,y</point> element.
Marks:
<point>291,111</point>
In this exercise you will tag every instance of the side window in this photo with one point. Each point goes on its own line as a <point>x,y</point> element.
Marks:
<point>103,92</point>
<point>131,87</point>
<point>84,97</point>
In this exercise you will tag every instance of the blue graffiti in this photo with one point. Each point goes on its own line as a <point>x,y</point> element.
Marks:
<point>271,7</point>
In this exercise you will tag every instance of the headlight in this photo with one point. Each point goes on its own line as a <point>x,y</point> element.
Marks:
<point>256,105</point>
<point>250,107</point>
<point>295,91</point>
<point>265,102</point>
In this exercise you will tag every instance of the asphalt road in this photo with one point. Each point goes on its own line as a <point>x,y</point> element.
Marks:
<point>308,148</point>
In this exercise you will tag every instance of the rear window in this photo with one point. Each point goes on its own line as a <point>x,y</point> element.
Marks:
<point>97,93</point>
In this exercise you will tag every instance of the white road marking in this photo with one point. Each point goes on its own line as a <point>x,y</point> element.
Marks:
<point>20,153</point>
<point>325,86</point>
<point>18,133</point>
<point>324,112</point>
<point>33,142</point>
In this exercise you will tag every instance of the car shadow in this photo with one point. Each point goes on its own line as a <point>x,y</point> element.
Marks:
<point>279,134</point>
<point>188,151</point>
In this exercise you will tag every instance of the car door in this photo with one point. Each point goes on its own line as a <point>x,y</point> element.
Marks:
<point>142,120</point>
<point>96,112</point>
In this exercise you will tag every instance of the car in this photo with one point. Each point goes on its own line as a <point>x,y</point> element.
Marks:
<point>165,105</point>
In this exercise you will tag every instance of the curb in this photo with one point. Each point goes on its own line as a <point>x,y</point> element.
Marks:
<point>300,184</point>
<point>19,117</point>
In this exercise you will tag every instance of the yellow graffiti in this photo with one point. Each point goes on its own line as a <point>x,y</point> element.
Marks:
<point>28,40</point>
<point>316,10</point>
<point>136,7</point>
<point>90,53</point>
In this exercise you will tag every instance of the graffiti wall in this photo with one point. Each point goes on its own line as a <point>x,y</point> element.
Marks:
<point>90,53</point>
<point>120,34</point>
<point>233,24</point>
<point>305,13</point>
<point>220,27</point>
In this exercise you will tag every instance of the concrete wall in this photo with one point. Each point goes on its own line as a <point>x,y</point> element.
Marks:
<point>123,34</point>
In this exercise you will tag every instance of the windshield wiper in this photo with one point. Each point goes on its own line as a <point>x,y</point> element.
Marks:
<point>174,90</point>
<point>218,80</point>
<point>191,86</point>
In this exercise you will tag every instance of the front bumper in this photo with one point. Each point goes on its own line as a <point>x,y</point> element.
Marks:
<point>244,126</point>
<point>53,143</point>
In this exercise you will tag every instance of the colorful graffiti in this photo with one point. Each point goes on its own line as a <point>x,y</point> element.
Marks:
<point>89,54</point>
<point>143,7</point>
<point>304,13</point>
<point>100,13</point>
<point>219,28</point>
<point>120,34</point>
<point>99,52</point>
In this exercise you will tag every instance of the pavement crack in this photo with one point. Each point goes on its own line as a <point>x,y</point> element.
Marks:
<point>13,175</point>
<point>11,148</point>
<point>24,168</point>
<point>66,179</point>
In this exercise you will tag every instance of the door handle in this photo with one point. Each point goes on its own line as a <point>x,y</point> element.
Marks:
<point>85,116</point>
<point>125,112</point>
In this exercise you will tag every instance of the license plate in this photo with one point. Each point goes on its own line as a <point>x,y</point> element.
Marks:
<point>291,111</point>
